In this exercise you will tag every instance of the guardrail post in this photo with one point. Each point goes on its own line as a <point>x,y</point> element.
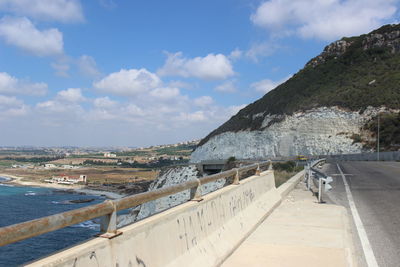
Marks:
<point>309,177</point>
<point>270,165</point>
<point>236,178</point>
<point>258,170</point>
<point>306,175</point>
<point>195,192</point>
<point>108,224</point>
<point>320,190</point>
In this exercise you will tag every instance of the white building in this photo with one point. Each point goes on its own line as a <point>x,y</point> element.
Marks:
<point>50,166</point>
<point>66,179</point>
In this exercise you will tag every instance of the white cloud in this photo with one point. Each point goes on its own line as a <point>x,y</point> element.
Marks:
<point>10,106</point>
<point>203,101</point>
<point>210,67</point>
<point>109,4</point>
<point>133,110</point>
<point>104,102</point>
<point>180,84</point>
<point>226,87</point>
<point>323,19</point>
<point>14,112</point>
<point>21,33</point>
<point>50,105</point>
<point>196,116</point>
<point>9,101</point>
<point>71,95</point>
<point>87,66</point>
<point>165,93</point>
<point>258,50</point>
<point>128,82</point>
<point>235,54</point>
<point>51,10</point>
<point>61,67</point>
<point>266,85</point>
<point>54,108</point>
<point>158,113</point>
<point>12,85</point>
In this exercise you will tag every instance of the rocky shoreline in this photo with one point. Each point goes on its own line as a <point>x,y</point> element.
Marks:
<point>81,189</point>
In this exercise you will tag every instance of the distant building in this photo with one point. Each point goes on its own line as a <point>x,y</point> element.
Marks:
<point>66,166</point>
<point>110,155</point>
<point>50,166</point>
<point>67,179</point>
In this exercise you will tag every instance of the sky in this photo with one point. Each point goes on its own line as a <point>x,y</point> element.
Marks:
<point>138,73</point>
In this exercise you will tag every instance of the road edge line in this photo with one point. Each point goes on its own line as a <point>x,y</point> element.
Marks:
<point>365,244</point>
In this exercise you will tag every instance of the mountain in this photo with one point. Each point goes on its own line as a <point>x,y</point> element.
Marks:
<point>327,107</point>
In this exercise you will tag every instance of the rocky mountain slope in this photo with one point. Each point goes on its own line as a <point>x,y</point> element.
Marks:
<point>325,108</point>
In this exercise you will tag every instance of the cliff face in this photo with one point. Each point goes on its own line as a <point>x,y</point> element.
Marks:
<point>314,132</point>
<point>321,108</point>
<point>168,177</point>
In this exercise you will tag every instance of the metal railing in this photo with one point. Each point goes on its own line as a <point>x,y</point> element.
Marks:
<point>319,178</point>
<point>107,210</point>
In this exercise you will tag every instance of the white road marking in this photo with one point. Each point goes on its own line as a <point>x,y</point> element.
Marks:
<point>368,252</point>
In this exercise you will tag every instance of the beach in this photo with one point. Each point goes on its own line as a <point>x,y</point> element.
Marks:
<point>12,179</point>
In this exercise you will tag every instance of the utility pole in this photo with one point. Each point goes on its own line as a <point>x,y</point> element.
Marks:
<point>378,136</point>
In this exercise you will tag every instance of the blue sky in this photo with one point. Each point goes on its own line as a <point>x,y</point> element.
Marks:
<point>137,73</point>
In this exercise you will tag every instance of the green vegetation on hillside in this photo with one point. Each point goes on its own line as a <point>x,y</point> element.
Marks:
<point>32,159</point>
<point>389,131</point>
<point>150,165</point>
<point>181,150</point>
<point>355,80</point>
<point>184,150</point>
<point>283,171</point>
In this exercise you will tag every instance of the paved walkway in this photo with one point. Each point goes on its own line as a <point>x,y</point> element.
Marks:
<point>300,232</point>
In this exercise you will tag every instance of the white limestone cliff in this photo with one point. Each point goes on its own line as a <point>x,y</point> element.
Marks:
<point>314,132</point>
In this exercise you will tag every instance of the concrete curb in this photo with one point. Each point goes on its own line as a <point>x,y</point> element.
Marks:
<point>289,185</point>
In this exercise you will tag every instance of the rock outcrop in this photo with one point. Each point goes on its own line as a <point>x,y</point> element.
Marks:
<point>168,177</point>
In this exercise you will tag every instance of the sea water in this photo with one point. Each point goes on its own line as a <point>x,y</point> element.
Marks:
<point>19,204</point>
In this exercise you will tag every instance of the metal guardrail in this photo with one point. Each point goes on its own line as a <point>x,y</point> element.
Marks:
<point>313,174</point>
<point>107,210</point>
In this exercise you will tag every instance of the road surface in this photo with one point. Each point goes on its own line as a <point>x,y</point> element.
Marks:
<point>375,190</point>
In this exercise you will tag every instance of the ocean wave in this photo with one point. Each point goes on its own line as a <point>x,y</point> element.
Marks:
<point>8,185</point>
<point>30,193</point>
<point>88,224</point>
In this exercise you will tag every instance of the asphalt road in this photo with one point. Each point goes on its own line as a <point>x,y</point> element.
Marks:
<point>375,187</point>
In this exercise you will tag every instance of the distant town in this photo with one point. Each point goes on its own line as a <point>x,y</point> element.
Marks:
<point>90,165</point>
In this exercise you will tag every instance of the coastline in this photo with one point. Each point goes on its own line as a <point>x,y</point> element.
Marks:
<point>17,180</point>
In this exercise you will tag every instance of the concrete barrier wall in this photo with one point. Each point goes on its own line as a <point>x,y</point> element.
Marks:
<point>192,234</point>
